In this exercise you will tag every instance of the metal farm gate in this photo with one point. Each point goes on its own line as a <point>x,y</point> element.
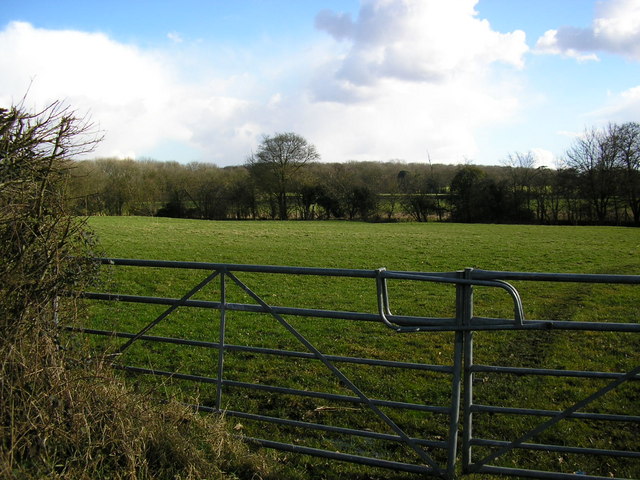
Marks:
<point>390,416</point>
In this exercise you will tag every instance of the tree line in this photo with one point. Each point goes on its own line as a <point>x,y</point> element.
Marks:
<point>598,182</point>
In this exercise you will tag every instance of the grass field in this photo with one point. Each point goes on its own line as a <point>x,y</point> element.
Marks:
<point>396,246</point>
<point>431,247</point>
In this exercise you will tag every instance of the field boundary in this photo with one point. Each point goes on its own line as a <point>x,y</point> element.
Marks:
<point>460,452</point>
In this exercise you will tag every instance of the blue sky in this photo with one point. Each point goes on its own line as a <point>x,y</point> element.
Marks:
<point>459,81</point>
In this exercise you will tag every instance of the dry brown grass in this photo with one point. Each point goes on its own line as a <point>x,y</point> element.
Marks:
<point>58,420</point>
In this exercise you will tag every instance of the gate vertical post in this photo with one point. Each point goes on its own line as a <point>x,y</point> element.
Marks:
<point>467,315</point>
<point>454,413</point>
<point>223,319</point>
<point>463,313</point>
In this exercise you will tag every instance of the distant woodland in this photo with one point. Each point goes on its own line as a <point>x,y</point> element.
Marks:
<point>599,183</point>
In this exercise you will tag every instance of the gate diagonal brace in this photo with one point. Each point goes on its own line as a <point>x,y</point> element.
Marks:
<point>384,310</point>
<point>476,467</point>
<point>341,376</point>
<point>168,311</point>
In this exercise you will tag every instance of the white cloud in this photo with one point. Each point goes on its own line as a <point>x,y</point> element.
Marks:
<point>134,96</point>
<point>615,29</point>
<point>621,107</point>
<point>415,75</point>
<point>544,158</point>
<point>405,120</point>
<point>550,45</point>
<point>632,94</point>
<point>404,77</point>
<point>569,134</point>
<point>417,41</point>
<point>175,37</point>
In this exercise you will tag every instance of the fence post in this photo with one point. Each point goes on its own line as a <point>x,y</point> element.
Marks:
<point>223,319</point>
<point>463,315</point>
<point>454,412</point>
<point>467,314</point>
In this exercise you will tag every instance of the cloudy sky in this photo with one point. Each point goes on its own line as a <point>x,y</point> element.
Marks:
<point>204,80</point>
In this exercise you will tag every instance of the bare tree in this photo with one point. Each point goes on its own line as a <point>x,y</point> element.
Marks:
<point>521,170</point>
<point>628,142</point>
<point>276,164</point>
<point>418,200</point>
<point>593,156</point>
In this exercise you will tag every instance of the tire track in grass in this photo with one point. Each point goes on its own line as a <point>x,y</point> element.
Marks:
<point>529,349</point>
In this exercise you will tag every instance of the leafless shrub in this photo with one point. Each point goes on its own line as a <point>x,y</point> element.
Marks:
<point>61,416</point>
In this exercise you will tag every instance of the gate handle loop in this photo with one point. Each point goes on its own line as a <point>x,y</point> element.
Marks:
<point>383,294</point>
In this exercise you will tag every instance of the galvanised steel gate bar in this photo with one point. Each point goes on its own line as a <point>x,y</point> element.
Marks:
<point>462,371</point>
<point>425,463</point>
<point>469,465</point>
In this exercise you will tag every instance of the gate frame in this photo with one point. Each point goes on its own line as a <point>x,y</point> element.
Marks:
<point>464,324</point>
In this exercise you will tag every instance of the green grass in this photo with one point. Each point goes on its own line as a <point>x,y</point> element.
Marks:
<point>396,246</point>
<point>431,247</point>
